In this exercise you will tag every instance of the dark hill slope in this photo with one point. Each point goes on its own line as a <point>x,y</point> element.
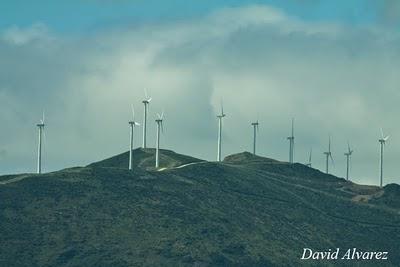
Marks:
<point>145,158</point>
<point>243,212</point>
<point>390,198</point>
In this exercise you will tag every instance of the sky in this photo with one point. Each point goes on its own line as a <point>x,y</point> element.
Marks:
<point>332,65</point>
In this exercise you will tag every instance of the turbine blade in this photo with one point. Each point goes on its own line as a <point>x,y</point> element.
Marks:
<point>382,133</point>
<point>333,162</point>
<point>146,95</point>
<point>44,140</point>
<point>329,146</point>
<point>350,164</point>
<point>292,127</point>
<point>133,113</point>
<point>386,138</point>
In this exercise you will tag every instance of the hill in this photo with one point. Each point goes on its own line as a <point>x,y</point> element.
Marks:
<point>145,158</point>
<point>244,211</point>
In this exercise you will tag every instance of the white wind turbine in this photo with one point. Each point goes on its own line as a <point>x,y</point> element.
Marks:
<point>160,126</point>
<point>348,159</point>
<point>328,155</point>
<point>309,164</point>
<point>41,132</point>
<point>220,117</point>
<point>291,144</point>
<point>255,128</point>
<point>146,103</point>
<point>382,142</point>
<point>132,124</point>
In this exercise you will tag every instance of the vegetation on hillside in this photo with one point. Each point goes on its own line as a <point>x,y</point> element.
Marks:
<point>245,211</point>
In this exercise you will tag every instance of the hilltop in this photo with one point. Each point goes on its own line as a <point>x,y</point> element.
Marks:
<point>244,211</point>
<point>145,158</point>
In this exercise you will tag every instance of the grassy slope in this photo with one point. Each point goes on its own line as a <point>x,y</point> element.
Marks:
<point>248,211</point>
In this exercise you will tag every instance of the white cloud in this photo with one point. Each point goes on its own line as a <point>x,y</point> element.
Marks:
<point>334,79</point>
<point>21,36</point>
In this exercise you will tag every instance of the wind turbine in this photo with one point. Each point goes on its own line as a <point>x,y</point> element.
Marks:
<point>382,141</point>
<point>132,124</point>
<point>309,159</point>
<point>255,126</point>
<point>291,144</point>
<point>348,156</point>
<point>146,103</point>
<point>159,122</point>
<point>222,115</point>
<point>328,155</point>
<point>41,131</point>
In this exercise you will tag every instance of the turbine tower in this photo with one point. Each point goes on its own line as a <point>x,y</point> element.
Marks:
<point>132,124</point>
<point>328,155</point>
<point>160,126</point>
<point>222,115</point>
<point>255,127</point>
<point>348,157</point>
<point>382,142</point>
<point>291,144</point>
<point>309,159</point>
<point>41,131</point>
<point>146,103</point>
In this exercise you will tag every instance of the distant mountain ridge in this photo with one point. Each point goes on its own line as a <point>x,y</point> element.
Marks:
<point>244,211</point>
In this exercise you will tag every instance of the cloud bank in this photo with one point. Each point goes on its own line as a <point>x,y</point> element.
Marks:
<point>336,80</point>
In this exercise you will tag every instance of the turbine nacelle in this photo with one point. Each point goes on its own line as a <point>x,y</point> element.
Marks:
<point>222,112</point>
<point>383,139</point>
<point>41,124</point>
<point>133,122</point>
<point>160,117</point>
<point>329,153</point>
<point>147,98</point>
<point>256,125</point>
<point>292,136</point>
<point>349,150</point>
<point>159,120</point>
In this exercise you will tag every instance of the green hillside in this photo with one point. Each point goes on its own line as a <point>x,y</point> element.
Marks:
<point>245,211</point>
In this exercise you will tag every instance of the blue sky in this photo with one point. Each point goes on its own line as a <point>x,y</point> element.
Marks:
<point>86,15</point>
